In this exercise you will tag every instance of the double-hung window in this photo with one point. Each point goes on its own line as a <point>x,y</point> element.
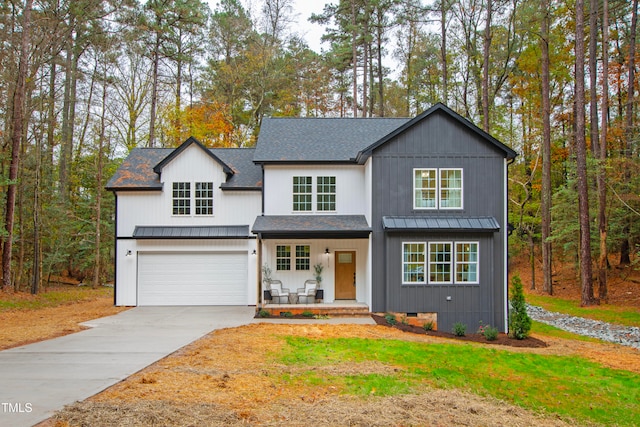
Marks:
<point>301,255</point>
<point>302,194</point>
<point>326,193</point>
<point>182,195</point>
<point>440,263</point>
<point>437,188</point>
<point>181,198</point>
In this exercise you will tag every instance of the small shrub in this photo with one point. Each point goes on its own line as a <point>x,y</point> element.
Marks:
<point>459,329</point>
<point>321,316</point>
<point>519,320</point>
<point>428,326</point>
<point>286,314</point>
<point>391,318</point>
<point>263,313</point>
<point>404,320</point>
<point>490,333</point>
<point>307,313</point>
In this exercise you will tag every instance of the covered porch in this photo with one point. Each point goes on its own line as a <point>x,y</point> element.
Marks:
<point>331,252</point>
<point>335,309</point>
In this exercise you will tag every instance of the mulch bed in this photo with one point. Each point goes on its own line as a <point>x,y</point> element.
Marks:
<point>503,339</point>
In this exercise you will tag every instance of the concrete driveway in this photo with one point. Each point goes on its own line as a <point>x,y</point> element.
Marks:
<point>38,379</point>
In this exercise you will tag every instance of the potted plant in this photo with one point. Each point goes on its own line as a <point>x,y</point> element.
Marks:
<point>318,276</point>
<point>266,280</point>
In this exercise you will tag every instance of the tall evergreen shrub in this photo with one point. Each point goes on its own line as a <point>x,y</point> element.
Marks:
<point>519,320</point>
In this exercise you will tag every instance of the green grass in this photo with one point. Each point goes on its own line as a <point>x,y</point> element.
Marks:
<point>51,298</point>
<point>569,386</point>
<point>628,316</point>
<point>552,331</point>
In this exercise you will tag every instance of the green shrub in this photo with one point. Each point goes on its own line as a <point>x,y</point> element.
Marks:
<point>519,320</point>
<point>428,326</point>
<point>459,329</point>
<point>490,333</point>
<point>391,318</point>
<point>307,313</point>
<point>404,320</point>
<point>286,314</point>
<point>263,313</point>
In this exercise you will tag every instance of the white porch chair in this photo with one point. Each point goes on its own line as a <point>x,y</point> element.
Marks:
<point>279,294</point>
<point>308,292</point>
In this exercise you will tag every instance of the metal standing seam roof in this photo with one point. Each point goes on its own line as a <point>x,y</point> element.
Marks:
<point>408,223</point>
<point>308,226</point>
<point>192,232</point>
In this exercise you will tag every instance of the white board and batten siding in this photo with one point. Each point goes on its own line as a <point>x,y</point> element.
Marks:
<point>350,188</point>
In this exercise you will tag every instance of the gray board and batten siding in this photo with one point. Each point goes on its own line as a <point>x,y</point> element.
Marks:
<point>440,139</point>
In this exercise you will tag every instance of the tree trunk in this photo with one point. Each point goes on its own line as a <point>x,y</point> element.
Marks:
<point>593,77</point>
<point>485,68</point>
<point>354,53</point>
<point>103,118</point>
<point>625,258</point>
<point>154,92</point>
<point>602,177</point>
<point>547,285</point>
<point>443,50</point>
<point>581,163</point>
<point>16,141</point>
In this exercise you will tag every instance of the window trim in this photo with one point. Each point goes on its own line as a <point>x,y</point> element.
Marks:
<point>208,201</point>
<point>184,187</point>
<point>427,262</point>
<point>438,189</point>
<point>450,263</point>
<point>476,263</point>
<point>191,199</point>
<point>332,195</point>
<point>314,195</point>
<point>293,257</point>
<point>295,206</point>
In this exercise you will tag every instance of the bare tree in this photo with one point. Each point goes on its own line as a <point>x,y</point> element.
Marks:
<point>547,285</point>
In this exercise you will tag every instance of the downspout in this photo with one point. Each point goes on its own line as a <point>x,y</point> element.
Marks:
<point>506,243</point>
<point>115,250</point>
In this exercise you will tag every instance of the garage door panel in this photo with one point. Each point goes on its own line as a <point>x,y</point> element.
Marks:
<point>192,278</point>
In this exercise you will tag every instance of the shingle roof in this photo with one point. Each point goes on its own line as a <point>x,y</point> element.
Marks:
<point>137,170</point>
<point>311,226</point>
<point>449,223</point>
<point>319,139</point>
<point>198,232</point>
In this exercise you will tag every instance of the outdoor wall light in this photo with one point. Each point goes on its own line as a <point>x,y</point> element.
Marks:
<point>128,252</point>
<point>254,252</point>
<point>326,251</point>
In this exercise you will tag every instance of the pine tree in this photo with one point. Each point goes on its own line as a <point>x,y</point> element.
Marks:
<point>519,320</point>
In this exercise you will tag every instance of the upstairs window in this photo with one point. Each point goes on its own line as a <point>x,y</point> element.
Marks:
<point>437,188</point>
<point>302,194</point>
<point>326,193</point>
<point>181,198</point>
<point>204,198</point>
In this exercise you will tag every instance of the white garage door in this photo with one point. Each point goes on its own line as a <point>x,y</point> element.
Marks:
<point>192,278</point>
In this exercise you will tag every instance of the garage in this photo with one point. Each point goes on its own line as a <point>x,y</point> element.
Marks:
<point>192,278</point>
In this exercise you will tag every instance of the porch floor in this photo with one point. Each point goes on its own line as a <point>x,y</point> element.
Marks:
<point>337,308</point>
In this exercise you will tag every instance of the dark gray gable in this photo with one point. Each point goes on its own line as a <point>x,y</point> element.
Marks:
<point>439,107</point>
<point>190,141</point>
<point>293,140</point>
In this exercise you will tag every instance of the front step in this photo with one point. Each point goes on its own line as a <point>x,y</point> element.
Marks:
<point>279,310</point>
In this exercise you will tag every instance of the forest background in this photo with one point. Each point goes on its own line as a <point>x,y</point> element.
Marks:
<point>82,82</point>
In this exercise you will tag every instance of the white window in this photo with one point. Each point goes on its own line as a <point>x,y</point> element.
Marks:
<point>326,193</point>
<point>440,258</point>
<point>181,197</point>
<point>204,198</point>
<point>437,188</point>
<point>301,257</point>
<point>466,262</point>
<point>413,263</point>
<point>302,194</point>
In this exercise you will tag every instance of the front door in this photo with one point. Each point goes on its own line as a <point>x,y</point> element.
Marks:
<point>345,275</point>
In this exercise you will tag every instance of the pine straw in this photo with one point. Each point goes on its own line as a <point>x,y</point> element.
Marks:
<point>20,327</point>
<point>227,378</point>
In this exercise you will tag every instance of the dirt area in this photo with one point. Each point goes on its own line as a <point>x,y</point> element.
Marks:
<point>23,326</point>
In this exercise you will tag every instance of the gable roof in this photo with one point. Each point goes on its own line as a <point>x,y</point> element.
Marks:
<point>189,142</point>
<point>295,140</point>
<point>138,171</point>
<point>439,107</point>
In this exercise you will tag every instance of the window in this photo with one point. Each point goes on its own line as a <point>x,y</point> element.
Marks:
<point>181,198</point>
<point>450,188</point>
<point>283,258</point>
<point>413,258</point>
<point>204,198</point>
<point>425,189</point>
<point>467,262</point>
<point>440,262</point>
<point>302,193</point>
<point>437,188</point>
<point>303,257</point>
<point>326,193</point>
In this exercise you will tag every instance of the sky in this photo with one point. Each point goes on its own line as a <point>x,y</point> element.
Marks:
<point>311,32</point>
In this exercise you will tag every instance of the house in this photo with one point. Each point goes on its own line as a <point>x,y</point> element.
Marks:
<point>405,215</point>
